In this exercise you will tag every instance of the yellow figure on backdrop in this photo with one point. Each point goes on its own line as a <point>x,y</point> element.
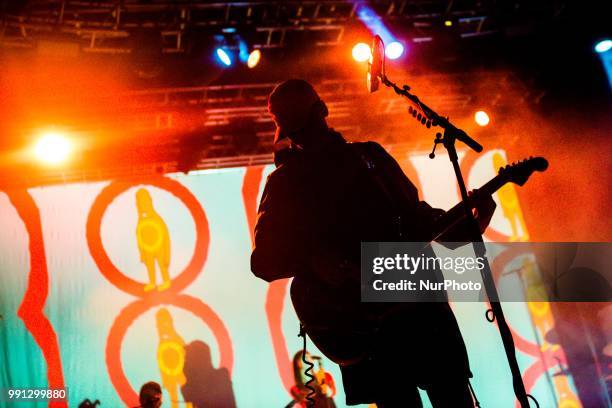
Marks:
<point>170,356</point>
<point>510,205</point>
<point>153,241</point>
<point>534,286</point>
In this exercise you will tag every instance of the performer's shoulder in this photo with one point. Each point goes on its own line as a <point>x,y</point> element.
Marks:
<point>369,146</point>
<point>280,174</point>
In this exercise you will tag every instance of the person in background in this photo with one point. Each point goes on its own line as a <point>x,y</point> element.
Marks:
<point>150,395</point>
<point>322,383</point>
<point>86,403</point>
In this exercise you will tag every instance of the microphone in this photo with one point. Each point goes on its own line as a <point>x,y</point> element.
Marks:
<point>463,137</point>
<point>376,64</point>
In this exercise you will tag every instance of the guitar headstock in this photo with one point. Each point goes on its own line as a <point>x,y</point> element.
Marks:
<point>520,172</point>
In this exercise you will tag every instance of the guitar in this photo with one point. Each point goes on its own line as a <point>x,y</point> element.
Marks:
<point>517,173</point>
<point>338,322</point>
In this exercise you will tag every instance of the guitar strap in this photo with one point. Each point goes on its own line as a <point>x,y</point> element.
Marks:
<point>374,171</point>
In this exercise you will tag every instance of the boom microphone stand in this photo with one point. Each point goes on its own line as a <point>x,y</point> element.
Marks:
<point>451,134</point>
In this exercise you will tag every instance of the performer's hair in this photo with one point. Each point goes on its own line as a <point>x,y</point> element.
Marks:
<point>291,87</point>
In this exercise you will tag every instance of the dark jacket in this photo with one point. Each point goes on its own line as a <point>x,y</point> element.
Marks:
<point>316,209</point>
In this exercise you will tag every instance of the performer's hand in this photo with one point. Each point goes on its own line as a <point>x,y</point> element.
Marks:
<point>281,144</point>
<point>282,151</point>
<point>484,209</point>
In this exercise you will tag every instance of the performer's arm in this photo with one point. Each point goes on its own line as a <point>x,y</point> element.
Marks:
<point>425,214</point>
<point>460,232</point>
<point>428,214</point>
<point>279,245</point>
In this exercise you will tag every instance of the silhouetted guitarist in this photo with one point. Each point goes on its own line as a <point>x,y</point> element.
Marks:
<point>326,197</point>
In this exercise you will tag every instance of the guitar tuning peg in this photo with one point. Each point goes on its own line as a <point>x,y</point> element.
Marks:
<point>423,120</point>
<point>428,124</point>
<point>410,109</point>
<point>414,113</point>
<point>419,116</point>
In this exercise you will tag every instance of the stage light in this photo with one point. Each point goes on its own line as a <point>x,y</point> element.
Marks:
<point>254,58</point>
<point>448,23</point>
<point>394,50</point>
<point>604,51</point>
<point>243,50</point>
<point>52,148</point>
<point>482,118</point>
<point>361,52</point>
<point>603,46</point>
<point>224,57</point>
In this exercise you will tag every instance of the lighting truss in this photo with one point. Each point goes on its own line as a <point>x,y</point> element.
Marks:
<point>106,27</point>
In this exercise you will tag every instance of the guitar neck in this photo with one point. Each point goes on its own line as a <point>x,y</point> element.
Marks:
<point>457,213</point>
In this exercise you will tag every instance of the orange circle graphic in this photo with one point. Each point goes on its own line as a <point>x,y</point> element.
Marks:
<point>106,266</point>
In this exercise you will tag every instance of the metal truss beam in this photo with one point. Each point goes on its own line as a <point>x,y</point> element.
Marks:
<point>105,27</point>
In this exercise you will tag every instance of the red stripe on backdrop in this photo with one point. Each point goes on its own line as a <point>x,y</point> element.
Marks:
<point>31,308</point>
<point>277,290</point>
<point>275,300</point>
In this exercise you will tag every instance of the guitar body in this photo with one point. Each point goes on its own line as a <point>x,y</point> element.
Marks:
<point>336,321</point>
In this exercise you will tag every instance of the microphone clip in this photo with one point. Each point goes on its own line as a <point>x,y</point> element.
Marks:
<point>437,141</point>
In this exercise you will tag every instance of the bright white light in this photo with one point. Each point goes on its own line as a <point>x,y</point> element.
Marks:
<point>482,118</point>
<point>603,46</point>
<point>254,58</point>
<point>224,57</point>
<point>394,50</point>
<point>52,148</point>
<point>361,52</point>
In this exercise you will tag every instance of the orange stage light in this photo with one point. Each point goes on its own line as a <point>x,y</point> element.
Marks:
<point>254,58</point>
<point>53,148</point>
<point>361,52</point>
<point>482,118</point>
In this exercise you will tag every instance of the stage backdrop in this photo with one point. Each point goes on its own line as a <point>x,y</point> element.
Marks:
<point>107,285</point>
